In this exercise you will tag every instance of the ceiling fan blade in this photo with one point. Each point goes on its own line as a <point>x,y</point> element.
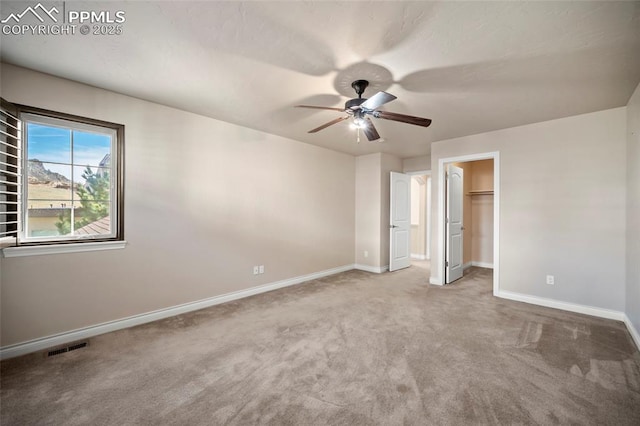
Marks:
<point>331,123</point>
<point>320,107</point>
<point>377,100</point>
<point>409,119</point>
<point>370,131</point>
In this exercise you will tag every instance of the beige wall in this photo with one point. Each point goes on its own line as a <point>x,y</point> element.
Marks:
<point>562,206</point>
<point>482,230</point>
<point>633,210</point>
<point>482,175</point>
<point>419,231</point>
<point>416,164</point>
<point>372,208</point>
<point>205,201</point>
<point>368,200</point>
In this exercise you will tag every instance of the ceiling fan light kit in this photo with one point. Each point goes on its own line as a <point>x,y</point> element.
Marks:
<point>361,108</point>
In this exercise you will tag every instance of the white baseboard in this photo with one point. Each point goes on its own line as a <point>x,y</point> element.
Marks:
<point>418,256</point>
<point>374,269</point>
<point>435,281</point>
<point>478,264</point>
<point>565,306</point>
<point>632,330</point>
<point>95,330</point>
<point>482,264</point>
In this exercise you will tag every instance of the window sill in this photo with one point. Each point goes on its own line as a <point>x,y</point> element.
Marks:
<point>62,248</point>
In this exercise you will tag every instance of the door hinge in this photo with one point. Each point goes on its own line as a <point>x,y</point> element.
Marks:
<point>446,263</point>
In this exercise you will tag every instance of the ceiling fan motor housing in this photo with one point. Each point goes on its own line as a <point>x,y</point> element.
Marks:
<point>353,103</point>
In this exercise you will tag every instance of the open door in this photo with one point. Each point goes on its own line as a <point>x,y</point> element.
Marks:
<point>454,225</point>
<point>400,222</point>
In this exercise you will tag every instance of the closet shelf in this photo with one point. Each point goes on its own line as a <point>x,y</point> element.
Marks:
<point>481,192</point>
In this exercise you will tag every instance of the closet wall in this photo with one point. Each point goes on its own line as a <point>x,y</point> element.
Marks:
<point>481,209</point>
<point>478,213</point>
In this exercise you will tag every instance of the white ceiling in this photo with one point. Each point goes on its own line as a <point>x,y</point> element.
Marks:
<point>469,66</point>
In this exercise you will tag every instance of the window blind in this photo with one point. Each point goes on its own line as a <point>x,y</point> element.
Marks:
<point>10,173</point>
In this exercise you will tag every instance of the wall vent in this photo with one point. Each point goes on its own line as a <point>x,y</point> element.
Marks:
<point>68,348</point>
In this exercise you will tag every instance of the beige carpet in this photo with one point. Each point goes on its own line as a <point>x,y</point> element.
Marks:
<point>352,349</point>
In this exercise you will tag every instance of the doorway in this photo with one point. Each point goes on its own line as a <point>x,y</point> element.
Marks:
<point>416,248</point>
<point>421,216</point>
<point>481,193</point>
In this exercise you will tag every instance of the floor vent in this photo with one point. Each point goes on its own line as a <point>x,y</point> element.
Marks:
<point>77,346</point>
<point>72,347</point>
<point>57,351</point>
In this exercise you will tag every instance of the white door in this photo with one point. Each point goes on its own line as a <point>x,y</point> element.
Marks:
<point>400,222</point>
<point>454,225</point>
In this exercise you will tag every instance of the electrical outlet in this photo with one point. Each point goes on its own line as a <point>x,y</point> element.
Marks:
<point>261,269</point>
<point>256,270</point>
<point>366,253</point>
<point>551,280</point>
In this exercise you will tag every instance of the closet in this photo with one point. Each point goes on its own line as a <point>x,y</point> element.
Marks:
<point>478,213</point>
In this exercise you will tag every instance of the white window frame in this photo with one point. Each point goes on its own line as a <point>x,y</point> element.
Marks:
<point>28,245</point>
<point>28,118</point>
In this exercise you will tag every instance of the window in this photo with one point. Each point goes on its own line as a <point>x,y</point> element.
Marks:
<point>71,179</point>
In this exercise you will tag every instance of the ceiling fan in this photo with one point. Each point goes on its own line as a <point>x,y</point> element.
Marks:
<point>360,108</point>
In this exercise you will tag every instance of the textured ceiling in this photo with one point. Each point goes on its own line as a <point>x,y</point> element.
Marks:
<point>469,66</point>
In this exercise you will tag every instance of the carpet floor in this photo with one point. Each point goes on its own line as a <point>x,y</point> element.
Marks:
<point>351,349</point>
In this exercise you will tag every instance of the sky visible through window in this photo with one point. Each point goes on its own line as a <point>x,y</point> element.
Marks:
<point>51,144</point>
